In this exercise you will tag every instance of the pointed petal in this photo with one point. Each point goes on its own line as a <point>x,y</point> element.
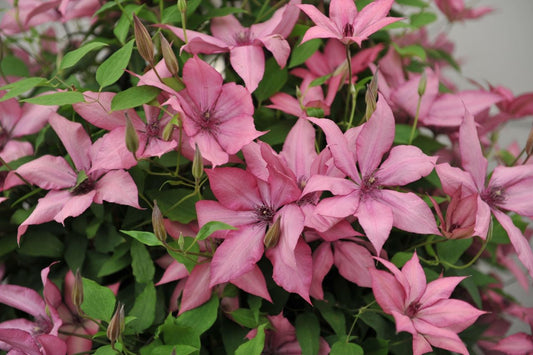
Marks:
<point>519,343</point>
<point>342,12</point>
<point>253,282</point>
<point>483,218</point>
<point>336,185</point>
<point>286,103</point>
<point>75,139</point>
<point>249,63</point>
<point>196,291</point>
<point>299,148</point>
<point>322,263</point>
<point>76,205</point>
<point>20,340</point>
<point>237,254</point>
<point>279,48</point>
<point>234,188</point>
<point>354,263</point>
<point>203,83</point>
<point>440,337</point>
<point>320,32</point>
<point>323,23</point>
<point>417,279</point>
<point>388,292</point>
<point>226,28</point>
<point>440,288</point>
<point>198,42</point>
<point>24,299</point>
<point>517,183</point>
<point>404,165</point>
<point>454,179</point>
<point>452,314</point>
<point>109,152</point>
<point>210,148</point>
<point>376,220</point>
<point>32,120</point>
<point>175,271</point>
<point>117,186</point>
<point>472,158</point>
<point>49,173</point>
<point>519,242</point>
<point>339,206</point>
<point>213,211</point>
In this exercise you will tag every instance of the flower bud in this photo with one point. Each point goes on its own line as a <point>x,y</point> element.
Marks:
<point>182,6</point>
<point>181,241</point>
<point>529,143</point>
<point>168,55</point>
<point>169,128</point>
<point>158,224</point>
<point>197,164</point>
<point>143,40</point>
<point>273,234</point>
<point>77,291</point>
<point>132,139</point>
<point>422,84</point>
<point>371,96</point>
<point>116,324</point>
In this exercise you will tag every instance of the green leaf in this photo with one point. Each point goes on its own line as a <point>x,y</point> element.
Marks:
<point>141,263</point>
<point>178,350</point>
<point>402,134</point>
<point>335,318</point>
<point>200,319</point>
<point>117,262</point>
<point>422,19</point>
<point>98,301</point>
<point>211,227</point>
<point>113,67</point>
<point>272,82</point>
<point>184,213</point>
<point>189,260</point>
<point>72,58</point>
<point>105,350</point>
<point>413,50</point>
<point>246,317</point>
<point>303,51</point>
<point>38,243</point>
<point>384,329</point>
<point>147,238</point>
<point>219,12</point>
<point>21,86</point>
<point>343,348</point>
<point>414,3</point>
<point>14,66</point>
<point>321,80</point>
<point>133,97</point>
<point>58,98</point>
<point>452,250</point>
<point>308,333</point>
<point>122,27</point>
<point>144,309</point>
<point>400,258</point>
<point>253,346</point>
<point>375,346</point>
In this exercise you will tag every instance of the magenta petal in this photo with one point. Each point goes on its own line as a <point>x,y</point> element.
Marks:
<point>48,172</point>
<point>325,27</point>
<point>208,211</point>
<point>322,263</point>
<point>52,344</point>
<point>404,165</point>
<point>117,186</point>
<point>235,188</point>
<point>339,206</point>
<point>519,242</point>
<point>24,299</point>
<point>354,263</point>
<point>109,152</point>
<point>472,158</point>
<point>516,344</point>
<point>279,48</point>
<point>20,341</point>
<point>203,83</point>
<point>237,254</point>
<point>388,292</point>
<point>249,62</point>
<point>226,28</point>
<point>253,282</point>
<point>376,220</point>
<point>75,139</point>
<point>196,291</point>
<point>175,271</point>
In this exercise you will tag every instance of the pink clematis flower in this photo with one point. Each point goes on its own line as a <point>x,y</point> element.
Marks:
<point>424,310</point>
<point>365,196</point>
<point>72,191</point>
<point>345,23</point>
<point>22,336</point>
<point>218,118</point>
<point>460,216</point>
<point>455,10</point>
<point>245,44</point>
<point>508,189</point>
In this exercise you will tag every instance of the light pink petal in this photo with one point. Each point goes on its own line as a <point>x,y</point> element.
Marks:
<point>234,101</point>
<point>325,27</point>
<point>440,337</point>
<point>354,262</point>
<point>372,28</point>
<point>519,242</point>
<point>483,218</point>
<point>322,263</point>
<point>339,206</point>
<point>234,188</point>
<point>477,101</point>
<point>299,148</point>
<point>48,172</point>
<point>76,205</point>
<point>336,185</point>
<point>209,147</point>
<point>236,133</point>
<point>415,276</point>
<point>403,323</point>
<point>117,186</point>
<point>440,288</point>
<point>47,208</point>
<point>320,32</point>
<point>208,211</point>
<point>249,63</point>
<point>198,42</point>
<point>237,254</point>
<point>196,291</point>
<point>253,282</point>
<point>342,12</point>
<point>516,183</point>
<point>389,293</point>
<point>447,111</point>
<point>156,147</point>
<point>10,113</point>
<point>420,344</point>
<point>452,314</point>
<point>472,158</point>
<point>20,340</point>
<point>516,344</point>
<point>24,299</point>
<point>279,48</point>
<point>109,152</point>
<point>286,103</point>
<point>376,220</point>
<point>404,165</point>
<point>406,94</point>
<point>454,179</point>
<point>226,28</point>
<point>14,150</point>
<point>279,190</point>
<point>32,120</point>
<point>410,212</point>
<point>51,293</point>
<point>75,139</point>
<point>375,138</point>
<point>175,271</point>
<point>203,83</point>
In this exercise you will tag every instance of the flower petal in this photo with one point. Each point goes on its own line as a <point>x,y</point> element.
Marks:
<point>253,282</point>
<point>249,63</point>
<point>117,186</point>
<point>404,165</point>
<point>49,173</point>
<point>196,291</point>
<point>376,220</point>
<point>234,188</point>
<point>203,83</point>
<point>322,263</point>
<point>354,262</point>
<point>472,158</point>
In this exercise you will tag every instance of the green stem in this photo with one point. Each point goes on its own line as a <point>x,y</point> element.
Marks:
<point>415,123</point>
<point>356,318</point>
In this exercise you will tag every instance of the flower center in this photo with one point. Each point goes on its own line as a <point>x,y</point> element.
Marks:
<point>4,137</point>
<point>83,187</point>
<point>413,309</point>
<point>493,196</point>
<point>243,37</point>
<point>347,31</point>
<point>42,326</point>
<point>152,129</point>
<point>264,214</point>
<point>370,183</point>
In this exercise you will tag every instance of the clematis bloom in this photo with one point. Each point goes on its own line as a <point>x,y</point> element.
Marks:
<point>424,310</point>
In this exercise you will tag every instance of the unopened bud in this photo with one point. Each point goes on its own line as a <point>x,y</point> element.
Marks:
<point>132,139</point>
<point>143,40</point>
<point>182,6</point>
<point>116,324</point>
<point>168,56</point>
<point>273,234</point>
<point>529,143</point>
<point>181,241</point>
<point>197,164</point>
<point>422,84</point>
<point>157,223</point>
<point>77,291</point>
<point>371,96</point>
<point>169,128</point>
